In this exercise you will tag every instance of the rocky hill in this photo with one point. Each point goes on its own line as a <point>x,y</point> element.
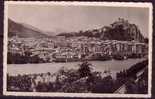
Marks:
<point>118,30</point>
<point>23,30</point>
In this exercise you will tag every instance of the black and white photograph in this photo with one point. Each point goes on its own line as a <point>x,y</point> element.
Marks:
<point>77,49</point>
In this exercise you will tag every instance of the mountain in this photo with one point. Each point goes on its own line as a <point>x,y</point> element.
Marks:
<point>123,30</point>
<point>119,30</point>
<point>23,30</point>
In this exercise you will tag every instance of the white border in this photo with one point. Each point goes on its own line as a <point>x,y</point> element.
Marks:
<point>63,3</point>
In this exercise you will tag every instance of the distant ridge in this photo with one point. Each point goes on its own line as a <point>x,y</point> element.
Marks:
<point>23,30</point>
<point>119,30</point>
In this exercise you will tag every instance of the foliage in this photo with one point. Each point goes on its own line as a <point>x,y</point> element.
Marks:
<point>16,58</point>
<point>81,80</point>
<point>119,30</point>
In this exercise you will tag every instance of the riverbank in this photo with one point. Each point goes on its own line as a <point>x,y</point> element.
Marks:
<point>82,80</point>
<point>112,65</point>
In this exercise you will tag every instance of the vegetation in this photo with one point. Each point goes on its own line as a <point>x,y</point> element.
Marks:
<point>82,80</point>
<point>119,30</point>
<point>16,58</point>
<point>23,30</point>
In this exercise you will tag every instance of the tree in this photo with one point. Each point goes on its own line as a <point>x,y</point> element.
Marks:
<point>84,69</point>
<point>146,40</point>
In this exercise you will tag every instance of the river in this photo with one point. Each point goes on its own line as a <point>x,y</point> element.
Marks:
<point>112,65</point>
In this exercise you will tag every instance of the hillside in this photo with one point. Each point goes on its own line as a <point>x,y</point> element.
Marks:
<point>118,30</point>
<point>23,30</point>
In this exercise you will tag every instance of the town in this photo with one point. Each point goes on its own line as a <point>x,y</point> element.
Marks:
<point>63,49</point>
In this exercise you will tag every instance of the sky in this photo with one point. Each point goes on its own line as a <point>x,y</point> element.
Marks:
<point>58,18</point>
